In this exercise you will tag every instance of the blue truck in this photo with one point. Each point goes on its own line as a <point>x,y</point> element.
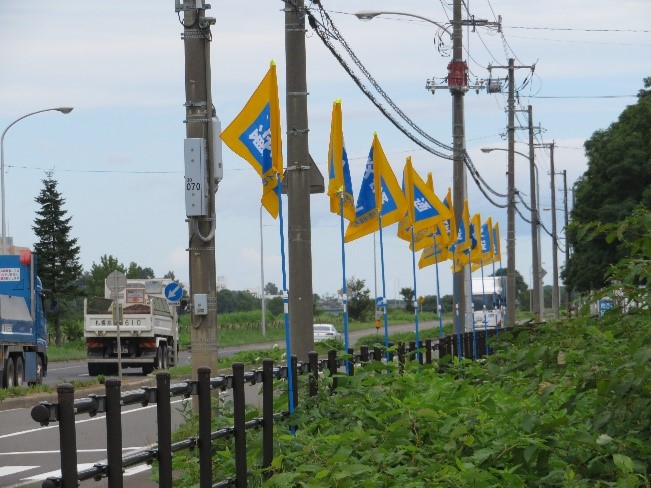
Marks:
<point>23,331</point>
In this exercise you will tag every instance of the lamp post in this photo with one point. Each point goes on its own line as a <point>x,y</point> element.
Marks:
<point>63,110</point>
<point>538,305</point>
<point>371,14</point>
<point>458,85</point>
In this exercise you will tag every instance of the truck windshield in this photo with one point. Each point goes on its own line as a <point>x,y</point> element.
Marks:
<point>491,301</point>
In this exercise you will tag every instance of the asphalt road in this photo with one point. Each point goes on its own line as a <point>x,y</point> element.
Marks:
<point>29,453</point>
<point>66,371</point>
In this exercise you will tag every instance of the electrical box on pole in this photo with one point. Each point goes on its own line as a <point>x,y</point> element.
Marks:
<point>218,169</point>
<point>196,177</point>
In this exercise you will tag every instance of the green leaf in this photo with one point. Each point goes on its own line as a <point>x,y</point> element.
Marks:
<point>604,439</point>
<point>623,463</point>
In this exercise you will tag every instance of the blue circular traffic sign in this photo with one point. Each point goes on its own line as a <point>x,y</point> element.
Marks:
<point>173,291</point>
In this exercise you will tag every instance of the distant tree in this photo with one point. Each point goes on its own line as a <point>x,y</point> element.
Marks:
<point>94,279</point>
<point>137,272</point>
<point>58,253</point>
<point>617,179</point>
<point>429,303</point>
<point>521,288</point>
<point>407,295</point>
<point>276,306</point>
<point>271,289</point>
<point>170,275</point>
<point>447,303</point>
<point>360,303</point>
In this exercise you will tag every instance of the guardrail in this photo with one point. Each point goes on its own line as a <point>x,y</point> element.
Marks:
<point>64,411</point>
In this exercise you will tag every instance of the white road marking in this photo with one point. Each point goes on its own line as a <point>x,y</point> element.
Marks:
<point>92,419</point>
<point>7,470</point>
<point>27,453</point>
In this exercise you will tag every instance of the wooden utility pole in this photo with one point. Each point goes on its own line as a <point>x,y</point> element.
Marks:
<point>200,159</point>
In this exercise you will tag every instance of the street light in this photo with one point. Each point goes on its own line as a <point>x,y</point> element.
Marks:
<point>535,231</point>
<point>458,85</point>
<point>63,110</point>
<point>371,14</point>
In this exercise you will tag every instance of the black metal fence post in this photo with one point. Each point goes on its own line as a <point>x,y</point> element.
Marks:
<point>313,362</point>
<point>377,354</point>
<point>67,435</point>
<point>428,351</point>
<point>332,366</point>
<point>295,379</point>
<point>363,354</point>
<point>114,433</point>
<point>401,357</point>
<point>205,441</point>
<point>267,414</point>
<point>239,427</point>
<point>164,415</point>
<point>351,362</point>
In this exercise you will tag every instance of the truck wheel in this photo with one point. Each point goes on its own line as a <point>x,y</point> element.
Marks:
<point>160,362</point>
<point>19,375</point>
<point>166,357</point>
<point>94,369</point>
<point>9,373</point>
<point>39,371</point>
<point>147,369</point>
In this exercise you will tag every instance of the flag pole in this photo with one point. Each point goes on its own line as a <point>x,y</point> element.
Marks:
<point>343,267</point>
<point>438,291</point>
<point>483,300</point>
<point>288,343</point>
<point>384,288</point>
<point>456,303</point>
<point>472,316</point>
<point>413,265</point>
<point>495,303</point>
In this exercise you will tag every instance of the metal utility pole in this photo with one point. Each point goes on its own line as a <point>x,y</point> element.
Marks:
<point>300,179</point>
<point>535,256</point>
<point>555,291</point>
<point>458,83</point>
<point>201,159</point>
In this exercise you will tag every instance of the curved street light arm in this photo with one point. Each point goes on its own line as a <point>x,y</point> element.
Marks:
<point>371,14</point>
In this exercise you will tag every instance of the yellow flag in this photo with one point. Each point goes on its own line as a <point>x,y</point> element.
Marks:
<point>255,135</point>
<point>339,184</point>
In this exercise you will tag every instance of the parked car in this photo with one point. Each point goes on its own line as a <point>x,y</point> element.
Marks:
<point>325,331</point>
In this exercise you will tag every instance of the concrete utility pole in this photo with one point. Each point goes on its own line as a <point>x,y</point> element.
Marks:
<point>567,247</point>
<point>535,256</point>
<point>510,212</point>
<point>458,83</point>
<point>555,290</point>
<point>201,224</point>
<point>301,178</point>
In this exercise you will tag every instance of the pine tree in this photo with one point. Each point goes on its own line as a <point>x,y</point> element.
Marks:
<point>58,253</point>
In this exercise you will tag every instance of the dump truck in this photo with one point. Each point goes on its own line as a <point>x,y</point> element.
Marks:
<point>136,315</point>
<point>488,301</point>
<point>23,330</point>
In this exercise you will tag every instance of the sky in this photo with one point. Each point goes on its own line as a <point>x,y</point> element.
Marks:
<point>118,156</point>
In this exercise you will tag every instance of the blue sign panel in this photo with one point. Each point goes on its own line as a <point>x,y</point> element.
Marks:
<point>173,292</point>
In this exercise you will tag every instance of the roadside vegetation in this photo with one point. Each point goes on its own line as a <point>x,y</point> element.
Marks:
<point>565,404</point>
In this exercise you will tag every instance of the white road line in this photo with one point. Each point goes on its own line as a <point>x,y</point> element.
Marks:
<point>92,419</point>
<point>7,470</point>
<point>80,467</point>
<point>27,453</point>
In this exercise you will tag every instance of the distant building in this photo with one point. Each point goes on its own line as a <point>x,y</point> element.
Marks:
<point>11,249</point>
<point>222,283</point>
